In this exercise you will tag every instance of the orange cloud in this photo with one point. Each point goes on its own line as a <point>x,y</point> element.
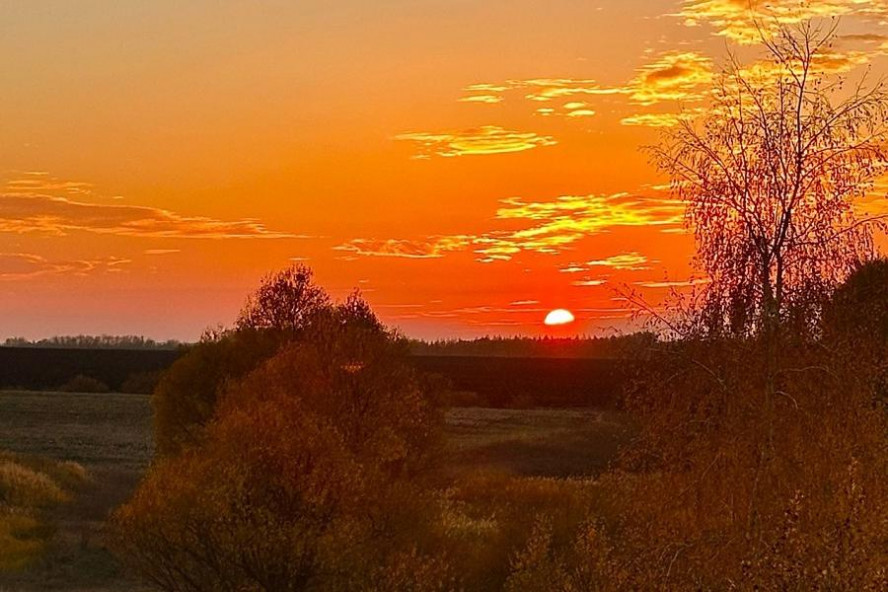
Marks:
<point>553,226</point>
<point>433,248</point>
<point>22,213</point>
<point>745,21</point>
<point>674,76</point>
<point>20,266</point>
<point>673,284</point>
<point>587,283</point>
<point>539,89</point>
<point>488,99</point>
<point>653,120</point>
<point>489,139</point>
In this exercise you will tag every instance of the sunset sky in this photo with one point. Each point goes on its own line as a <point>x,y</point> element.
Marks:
<point>470,165</point>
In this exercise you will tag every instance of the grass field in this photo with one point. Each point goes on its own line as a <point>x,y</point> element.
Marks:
<point>110,435</point>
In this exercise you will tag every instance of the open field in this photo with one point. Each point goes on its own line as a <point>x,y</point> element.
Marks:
<point>110,435</point>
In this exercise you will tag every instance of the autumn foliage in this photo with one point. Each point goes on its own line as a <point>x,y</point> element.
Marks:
<point>303,472</point>
<point>301,452</point>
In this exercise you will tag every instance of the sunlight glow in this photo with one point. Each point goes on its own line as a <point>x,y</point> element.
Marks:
<point>559,316</point>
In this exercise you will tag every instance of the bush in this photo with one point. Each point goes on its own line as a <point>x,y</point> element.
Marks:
<point>730,487</point>
<point>23,487</point>
<point>29,486</point>
<point>306,477</point>
<point>185,398</point>
<point>84,384</point>
<point>286,308</point>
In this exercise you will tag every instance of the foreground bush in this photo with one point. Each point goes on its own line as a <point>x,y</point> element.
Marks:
<point>307,477</point>
<point>287,308</point>
<point>726,490</point>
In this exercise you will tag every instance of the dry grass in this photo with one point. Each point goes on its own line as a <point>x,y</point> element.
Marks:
<point>109,436</point>
<point>29,487</point>
<point>534,442</point>
<point>60,438</point>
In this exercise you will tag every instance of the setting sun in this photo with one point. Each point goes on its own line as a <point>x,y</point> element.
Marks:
<point>559,317</point>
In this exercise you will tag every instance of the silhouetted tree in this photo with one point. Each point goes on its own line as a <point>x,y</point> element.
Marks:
<point>304,480</point>
<point>770,176</point>
<point>287,301</point>
<point>287,307</point>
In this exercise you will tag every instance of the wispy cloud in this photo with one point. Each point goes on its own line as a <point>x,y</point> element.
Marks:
<point>37,202</point>
<point>745,21</point>
<point>673,283</point>
<point>549,227</point>
<point>542,90</point>
<point>487,99</point>
<point>654,119</point>
<point>22,266</point>
<point>673,76</point>
<point>589,283</point>
<point>22,213</point>
<point>625,261</point>
<point>622,262</point>
<point>488,139</point>
<point>432,248</point>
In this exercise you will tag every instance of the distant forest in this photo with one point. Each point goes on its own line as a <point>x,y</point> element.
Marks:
<point>617,346</point>
<point>94,342</point>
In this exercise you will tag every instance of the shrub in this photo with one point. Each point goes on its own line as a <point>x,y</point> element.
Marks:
<point>286,308</point>
<point>21,486</point>
<point>84,384</point>
<point>18,543</point>
<point>28,487</point>
<point>726,487</point>
<point>185,398</point>
<point>306,477</point>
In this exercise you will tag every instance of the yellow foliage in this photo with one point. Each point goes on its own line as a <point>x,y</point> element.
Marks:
<point>23,487</point>
<point>29,485</point>
<point>18,547</point>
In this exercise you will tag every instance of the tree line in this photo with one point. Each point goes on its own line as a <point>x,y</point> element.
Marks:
<point>94,342</point>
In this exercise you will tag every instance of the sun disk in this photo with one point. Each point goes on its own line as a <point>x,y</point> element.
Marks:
<point>559,316</point>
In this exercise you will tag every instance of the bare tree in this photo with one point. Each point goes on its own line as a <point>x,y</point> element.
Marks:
<point>770,176</point>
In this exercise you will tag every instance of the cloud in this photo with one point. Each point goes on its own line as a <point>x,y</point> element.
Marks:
<point>587,283</point>
<point>674,76</point>
<point>653,120</point>
<point>161,251</point>
<point>581,113</point>
<point>432,248</point>
<point>626,262</point>
<point>488,99</point>
<point>22,213</point>
<point>745,21</point>
<point>539,89</point>
<point>488,139</point>
<point>673,284</point>
<point>547,227</point>
<point>21,266</point>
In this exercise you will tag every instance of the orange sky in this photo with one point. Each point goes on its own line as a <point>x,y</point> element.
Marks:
<point>469,164</point>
